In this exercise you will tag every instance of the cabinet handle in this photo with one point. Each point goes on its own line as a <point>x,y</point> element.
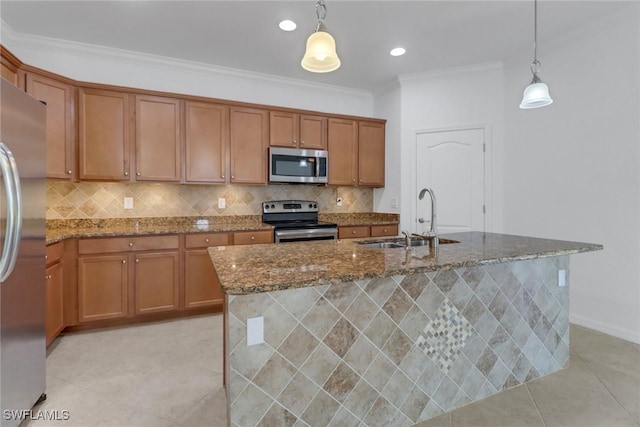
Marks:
<point>69,172</point>
<point>126,174</point>
<point>48,277</point>
<point>124,261</point>
<point>137,173</point>
<point>130,244</point>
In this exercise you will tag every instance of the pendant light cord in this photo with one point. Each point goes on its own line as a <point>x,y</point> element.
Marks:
<point>535,65</point>
<point>321,13</point>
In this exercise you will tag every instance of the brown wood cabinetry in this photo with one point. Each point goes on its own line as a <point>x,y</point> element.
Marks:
<point>297,130</point>
<point>353,231</point>
<point>201,285</point>
<point>343,152</point>
<point>9,66</point>
<point>158,138</point>
<point>249,139</point>
<point>384,230</point>
<point>127,276</point>
<point>103,135</point>
<point>54,292</point>
<point>371,154</point>
<point>206,142</point>
<point>252,237</point>
<point>59,98</point>
<point>156,281</point>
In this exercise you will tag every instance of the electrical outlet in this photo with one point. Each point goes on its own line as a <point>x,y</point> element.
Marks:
<point>394,203</point>
<point>255,330</point>
<point>128,202</point>
<point>562,278</point>
<point>339,201</point>
<point>222,203</point>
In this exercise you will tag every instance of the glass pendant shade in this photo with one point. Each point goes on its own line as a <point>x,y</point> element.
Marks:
<point>535,95</point>
<point>321,56</point>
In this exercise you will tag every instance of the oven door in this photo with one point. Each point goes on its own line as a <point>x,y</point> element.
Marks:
<point>304,235</point>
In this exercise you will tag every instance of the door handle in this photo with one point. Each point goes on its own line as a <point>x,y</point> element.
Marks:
<point>11,179</point>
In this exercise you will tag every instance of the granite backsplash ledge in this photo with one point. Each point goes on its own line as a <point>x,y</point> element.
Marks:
<point>87,200</point>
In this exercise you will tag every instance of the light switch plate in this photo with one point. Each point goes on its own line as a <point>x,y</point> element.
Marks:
<point>128,202</point>
<point>222,203</point>
<point>562,278</point>
<point>255,330</point>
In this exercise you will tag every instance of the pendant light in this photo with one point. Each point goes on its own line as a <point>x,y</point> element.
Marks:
<point>537,93</point>
<point>321,56</point>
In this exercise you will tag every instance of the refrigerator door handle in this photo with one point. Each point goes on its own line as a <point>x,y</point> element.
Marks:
<point>11,180</point>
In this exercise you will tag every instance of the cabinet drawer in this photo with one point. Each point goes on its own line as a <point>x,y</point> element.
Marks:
<point>353,232</point>
<point>54,253</point>
<point>126,244</point>
<point>384,230</point>
<point>206,239</point>
<point>251,237</point>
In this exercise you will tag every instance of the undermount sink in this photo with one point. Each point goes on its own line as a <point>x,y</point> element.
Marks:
<point>400,243</point>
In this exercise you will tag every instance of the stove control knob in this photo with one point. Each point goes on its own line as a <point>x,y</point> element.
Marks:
<point>315,205</point>
<point>310,205</point>
<point>266,206</point>
<point>273,206</point>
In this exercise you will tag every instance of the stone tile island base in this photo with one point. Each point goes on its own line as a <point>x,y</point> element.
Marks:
<point>398,350</point>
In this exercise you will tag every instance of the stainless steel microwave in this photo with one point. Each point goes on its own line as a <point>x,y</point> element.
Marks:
<point>298,166</point>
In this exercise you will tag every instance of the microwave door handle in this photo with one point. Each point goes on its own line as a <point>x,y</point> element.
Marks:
<point>317,167</point>
<point>7,179</point>
<point>16,213</point>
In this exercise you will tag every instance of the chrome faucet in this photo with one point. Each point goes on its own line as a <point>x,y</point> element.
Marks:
<point>433,232</point>
<point>407,240</point>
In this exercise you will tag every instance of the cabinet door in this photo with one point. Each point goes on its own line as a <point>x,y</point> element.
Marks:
<point>54,320</point>
<point>343,152</point>
<point>201,285</point>
<point>157,138</point>
<point>103,145</point>
<point>156,282</point>
<point>59,98</point>
<point>249,139</point>
<point>371,154</point>
<point>252,237</point>
<point>206,141</point>
<point>352,232</point>
<point>283,129</point>
<point>102,287</point>
<point>313,132</point>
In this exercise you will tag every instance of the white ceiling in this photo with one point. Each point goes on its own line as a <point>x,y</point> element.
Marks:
<point>244,34</point>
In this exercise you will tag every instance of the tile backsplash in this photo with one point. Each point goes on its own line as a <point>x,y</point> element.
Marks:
<point>68,200</point>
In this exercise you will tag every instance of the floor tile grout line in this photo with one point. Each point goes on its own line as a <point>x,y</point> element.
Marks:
<point>535,404</point>
<point>624,409</point>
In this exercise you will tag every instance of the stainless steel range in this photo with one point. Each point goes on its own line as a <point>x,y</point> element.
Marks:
<point>297,221</point>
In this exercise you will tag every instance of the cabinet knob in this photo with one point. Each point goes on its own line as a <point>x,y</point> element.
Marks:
<point>130,244</point>
<point>384,229</point>
<point>294,142</point>
<point>301,142</point>
<point>137,173</point>
<point>206,240</point>
<point>46,257</point>
<point>124,261</point>
<point>137,260</point>
<point>126,174</point>
<point>69,172</point>
<point>253,237</point>
<point>233,177</point>
<point>353,231</point>
<point>222,176</point>
<point>354,180</point>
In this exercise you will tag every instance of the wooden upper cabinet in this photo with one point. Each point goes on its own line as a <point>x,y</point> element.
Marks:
<point>158,137</point>
<point>103,135</point>
<point>59,98</point>
<point>249,139</point>
<point>371,154</point>
<point>343,152</point>
<point>9,66</point>
<point>297,130</point>
<point>206,142</point>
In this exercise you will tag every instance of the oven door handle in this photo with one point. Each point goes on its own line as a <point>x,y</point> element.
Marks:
<point>311,233</point>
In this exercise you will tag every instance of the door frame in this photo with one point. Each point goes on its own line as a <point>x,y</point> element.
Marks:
<point>488,167</point>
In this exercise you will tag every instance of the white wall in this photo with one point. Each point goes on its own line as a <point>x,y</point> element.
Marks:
<point>456,98</point>
<point>97,64</point>
<point>572,170</point>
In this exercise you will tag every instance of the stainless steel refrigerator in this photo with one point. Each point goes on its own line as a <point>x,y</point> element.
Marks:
<point>22,246</point>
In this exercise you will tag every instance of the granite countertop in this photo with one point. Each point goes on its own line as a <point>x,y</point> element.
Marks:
<point>58,230</point>
<point>256,268</point>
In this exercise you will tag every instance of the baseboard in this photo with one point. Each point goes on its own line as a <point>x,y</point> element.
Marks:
<point>605,328</point>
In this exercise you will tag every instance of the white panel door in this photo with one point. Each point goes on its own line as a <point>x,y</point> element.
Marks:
<point>452,164</point>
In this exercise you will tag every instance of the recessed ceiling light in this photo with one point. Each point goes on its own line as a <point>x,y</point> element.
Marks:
<point>398,51</point>
<point>287,25</point>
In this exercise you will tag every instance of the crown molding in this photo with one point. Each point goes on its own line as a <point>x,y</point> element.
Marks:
<point>17,41</point>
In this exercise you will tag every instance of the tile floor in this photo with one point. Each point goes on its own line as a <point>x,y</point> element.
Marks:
<point>170,374</point>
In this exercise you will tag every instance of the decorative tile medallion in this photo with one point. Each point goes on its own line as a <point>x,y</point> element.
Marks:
<point>444,336</point>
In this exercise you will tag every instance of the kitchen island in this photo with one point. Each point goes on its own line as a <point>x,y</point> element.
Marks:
<point>354,334</point>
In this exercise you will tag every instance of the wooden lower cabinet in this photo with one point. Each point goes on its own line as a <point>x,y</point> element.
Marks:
<point>353,232</point>
<point>201,285</point>
<point>103,287</point>
<point>156,282</point>
<point>54,297</point>
<point>252,237</point>
<point>384,230</point>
